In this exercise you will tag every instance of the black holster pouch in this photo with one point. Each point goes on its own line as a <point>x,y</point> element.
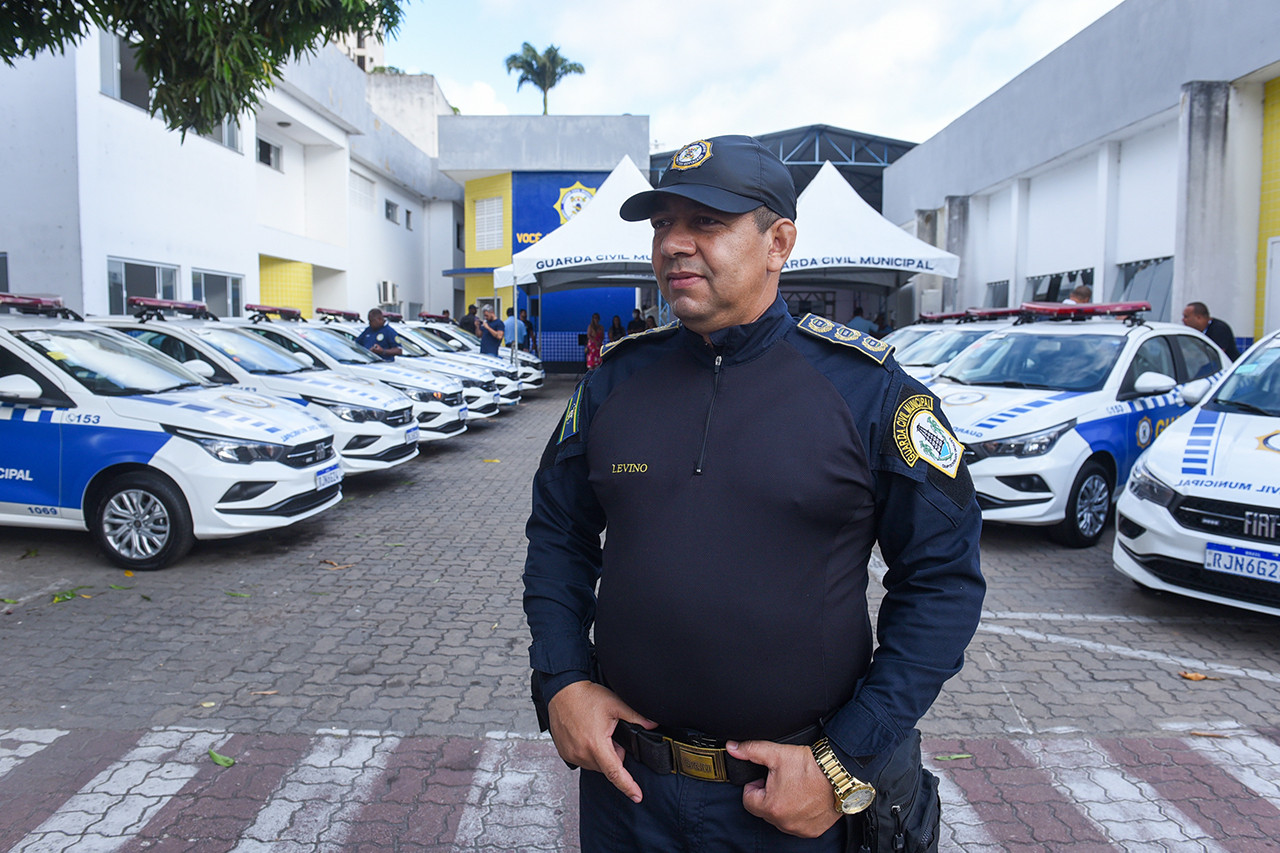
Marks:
<point>906,815</point>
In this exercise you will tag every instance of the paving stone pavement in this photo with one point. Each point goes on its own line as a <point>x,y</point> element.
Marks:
<point>366,672</point>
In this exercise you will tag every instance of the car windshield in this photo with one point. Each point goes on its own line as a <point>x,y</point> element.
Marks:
<point>109,364</point>
<point>337,346</point>
<point>908,335</point>
<point>406,344</point>
<point>1030,360</point>
<point>465,336</point>
<point>254,354</point>
<point>1254,385</point>
<point>940,348</point>
<point>430,340</point>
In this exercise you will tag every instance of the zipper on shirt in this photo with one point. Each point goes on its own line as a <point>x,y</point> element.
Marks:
<point>715,387</point>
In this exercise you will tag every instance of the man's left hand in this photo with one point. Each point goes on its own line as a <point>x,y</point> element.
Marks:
<point>796,796</point>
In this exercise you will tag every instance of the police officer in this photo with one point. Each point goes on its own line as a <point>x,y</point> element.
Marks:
<point>744,464</point>
<point>379,338</point>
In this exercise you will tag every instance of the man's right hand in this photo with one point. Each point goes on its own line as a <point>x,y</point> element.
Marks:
<point>583,716</point>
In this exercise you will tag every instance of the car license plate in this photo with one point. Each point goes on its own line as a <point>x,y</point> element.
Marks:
<point>328,476</point>
<point>497,398</point>
<point>411,435</point>
<point>1242,562</point>
<point>462,413</point>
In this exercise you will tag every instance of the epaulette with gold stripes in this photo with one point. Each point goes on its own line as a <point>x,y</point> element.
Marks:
<point>651,334</point>
<point>820,327</point>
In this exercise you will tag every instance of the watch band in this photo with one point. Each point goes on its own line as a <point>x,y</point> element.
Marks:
<point>852,795</point>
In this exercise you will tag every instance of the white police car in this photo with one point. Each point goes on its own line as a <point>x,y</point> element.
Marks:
<point>1201,515</point>
<point>102,432</point>
<point>438,405</point>
<point>528,367</point>
<point>373,425</point>
<point>926,354</point>
<point>481,388</point>
<point>1053,412</point>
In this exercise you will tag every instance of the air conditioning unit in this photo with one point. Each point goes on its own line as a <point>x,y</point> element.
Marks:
<point>387,293</point>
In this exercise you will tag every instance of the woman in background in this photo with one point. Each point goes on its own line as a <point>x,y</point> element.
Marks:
<point>595,340</point>
<point>616,331</point>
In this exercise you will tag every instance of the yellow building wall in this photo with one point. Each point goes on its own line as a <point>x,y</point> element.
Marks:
<point>496,186</point>
<point>287,284</point>
<point>1269,218</point>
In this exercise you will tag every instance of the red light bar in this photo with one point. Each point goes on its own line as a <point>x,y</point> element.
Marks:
<point>423,315</point>
<point>991,313</point>
<point>938,318</point>
<point>30,301</point>
<point>337,312</point>
<point>287,313</point>
<point>171,304</point>
<point>393,317</point>
<point>1088,309</point>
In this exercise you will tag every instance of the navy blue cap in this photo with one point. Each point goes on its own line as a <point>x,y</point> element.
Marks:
<point>735,174</point>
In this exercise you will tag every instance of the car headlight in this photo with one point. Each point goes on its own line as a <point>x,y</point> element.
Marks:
<point>355,414</point>
<point>1031,444</point>
<point>1148,486</point>
<point>420,394</point>
<point>234,450</point>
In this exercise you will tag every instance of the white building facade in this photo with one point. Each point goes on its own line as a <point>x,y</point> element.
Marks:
<point>312,200</point>
<point>1141,158</point>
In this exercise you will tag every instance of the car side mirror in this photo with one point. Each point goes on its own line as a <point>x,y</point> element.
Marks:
<point>456,346</point>
<point>203,369</point>
<point>18,387</point>
<point>1154,383</point>
<point>1193,392</point>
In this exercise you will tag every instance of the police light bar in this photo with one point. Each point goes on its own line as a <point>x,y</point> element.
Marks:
<point>282,313</point>
<point>935,317</point>
<point>1059,310</point>
<point>170,304</point>
<point>992,313</point>
<point>37,303</point>
<point>423,315</point>
<point>339,313</point>
<point>393,317</point>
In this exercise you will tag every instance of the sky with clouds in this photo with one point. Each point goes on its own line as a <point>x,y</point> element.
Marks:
<point>902,69</point>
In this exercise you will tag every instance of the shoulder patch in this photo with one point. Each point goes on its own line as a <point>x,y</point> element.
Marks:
<point>569,424</point>
<point>919,434</point>
<point>651,334</point>
<point>820,327</point>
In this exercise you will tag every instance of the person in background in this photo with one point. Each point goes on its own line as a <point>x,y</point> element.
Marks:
<point>595,340</point>
<point>491,332</point>
<point>1081,294</point>
<point>468,321</point>
<point>1196,315</point>
<point>379,338</point>
<point>616,332</point>
<point>636,324</point>
<point>514,330</point>
<point>883,326</point>
<point>650,322</point>
<point>530,340</point>
<point>447,318</point>
<point>860,323</point>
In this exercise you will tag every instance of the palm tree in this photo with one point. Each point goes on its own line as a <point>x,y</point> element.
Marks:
<point>543,70</point>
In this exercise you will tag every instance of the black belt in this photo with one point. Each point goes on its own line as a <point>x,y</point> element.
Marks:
<point>690,753</point>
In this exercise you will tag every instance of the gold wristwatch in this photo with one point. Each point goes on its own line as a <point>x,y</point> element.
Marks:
<point>852,795</point>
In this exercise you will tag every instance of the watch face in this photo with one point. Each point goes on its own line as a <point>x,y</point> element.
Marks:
<point>858,800</point>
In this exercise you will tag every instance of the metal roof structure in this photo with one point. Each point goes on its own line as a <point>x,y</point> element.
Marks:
<point>859,157</point>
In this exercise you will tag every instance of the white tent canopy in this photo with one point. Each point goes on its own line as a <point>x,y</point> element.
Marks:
<point>596,248</point>
<point>839,234</point>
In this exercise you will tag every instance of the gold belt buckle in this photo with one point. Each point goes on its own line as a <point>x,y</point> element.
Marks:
<point>699,762</point>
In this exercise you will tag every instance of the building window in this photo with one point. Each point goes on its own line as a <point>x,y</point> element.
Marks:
<point>362,195</point>
<point>360,62</point>
<point>408,219</point>
<point>488,224</point>
<point>269,154</point>
<point>997,294</point>
<point>121,78</point>
<point>1147,281</point>
<point>392,212</point>
<point>360,41</point>
<point>4,272</point>
<point>129,278</point>
<point>1057,286</point>
<point>459,236</point>
<point>219,291</point>
<point>227,133</point>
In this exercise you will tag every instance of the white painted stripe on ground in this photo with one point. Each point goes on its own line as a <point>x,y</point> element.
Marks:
<point>510,806</point>
<point>25,743</point>
<point>1138,654</point>
<point>316,803</point>
<point>962,826</point>
<point>1126,810</point>
<point>1019,616</point>
<point>119,801</point>
<point>1252,759</point>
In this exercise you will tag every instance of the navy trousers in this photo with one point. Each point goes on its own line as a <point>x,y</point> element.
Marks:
<point>682,814</point>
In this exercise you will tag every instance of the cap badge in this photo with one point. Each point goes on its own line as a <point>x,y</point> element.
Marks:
<point>692,155</point>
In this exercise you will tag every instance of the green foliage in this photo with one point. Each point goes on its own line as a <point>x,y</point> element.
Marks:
<point>206,60</point>
<point>543,70</point>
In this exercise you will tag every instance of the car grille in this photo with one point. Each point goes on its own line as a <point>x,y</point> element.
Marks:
<point>295,505</point>
<point>305,455</point>
<point>505,374</point>
<point>399,417</point>
<point>454,399</point>
<point>971,456</point>
<point>1225,518</point>
<point>1194,576</point>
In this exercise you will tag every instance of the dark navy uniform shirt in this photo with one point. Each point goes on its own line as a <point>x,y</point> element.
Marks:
<point>384,337</point>
<point>743,485</point>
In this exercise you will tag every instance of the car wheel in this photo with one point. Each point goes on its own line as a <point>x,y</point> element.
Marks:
<point>142,522</point>
<point>1088,506</point>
